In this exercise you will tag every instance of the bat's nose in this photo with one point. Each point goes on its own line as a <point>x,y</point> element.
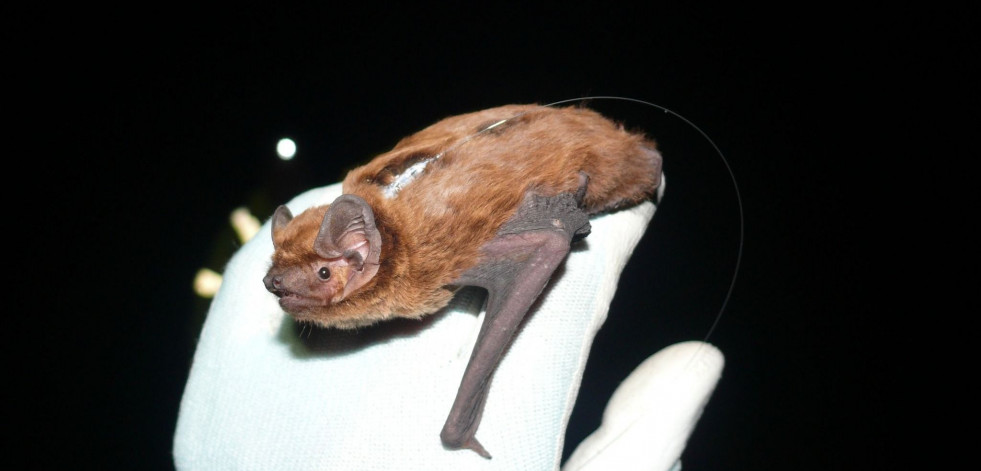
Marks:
<point>274,283</point>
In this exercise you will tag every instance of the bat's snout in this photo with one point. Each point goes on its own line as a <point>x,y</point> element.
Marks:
<point>274,284</point>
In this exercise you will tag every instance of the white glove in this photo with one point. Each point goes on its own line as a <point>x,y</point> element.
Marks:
<point>266,394</point>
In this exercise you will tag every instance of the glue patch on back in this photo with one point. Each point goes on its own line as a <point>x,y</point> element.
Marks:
<point>403,179</point>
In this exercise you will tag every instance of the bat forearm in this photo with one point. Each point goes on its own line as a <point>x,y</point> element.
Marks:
<point>516,267</point>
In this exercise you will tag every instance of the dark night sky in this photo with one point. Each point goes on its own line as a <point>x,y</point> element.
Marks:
<point>151,129</point>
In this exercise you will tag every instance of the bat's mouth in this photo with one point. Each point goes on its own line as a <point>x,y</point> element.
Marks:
<point>295,303</point>
<point>288,299</point>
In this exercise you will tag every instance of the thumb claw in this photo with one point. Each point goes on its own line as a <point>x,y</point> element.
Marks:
<point>474,445</point>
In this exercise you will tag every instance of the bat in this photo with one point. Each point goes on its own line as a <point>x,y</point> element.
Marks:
<point>493,199</point>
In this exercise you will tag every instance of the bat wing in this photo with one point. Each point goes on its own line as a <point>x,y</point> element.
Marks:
<point>515,266</point>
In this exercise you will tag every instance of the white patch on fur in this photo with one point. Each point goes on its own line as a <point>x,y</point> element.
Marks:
<point>406,177</point>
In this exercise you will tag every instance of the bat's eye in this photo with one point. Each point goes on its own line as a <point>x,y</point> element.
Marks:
<point>323,273</point>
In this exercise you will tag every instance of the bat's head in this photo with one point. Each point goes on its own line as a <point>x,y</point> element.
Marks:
<point>323,256</point>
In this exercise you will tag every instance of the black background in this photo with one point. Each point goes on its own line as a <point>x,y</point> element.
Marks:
<point>134,134</point>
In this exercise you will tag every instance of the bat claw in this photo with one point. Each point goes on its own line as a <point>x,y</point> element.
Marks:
<point>474,445</point>
<point>459,441</point>
<point>581,192</point>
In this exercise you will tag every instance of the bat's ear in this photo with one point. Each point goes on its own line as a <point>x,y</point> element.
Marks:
<point>280,219</point>
<point>349,232</point>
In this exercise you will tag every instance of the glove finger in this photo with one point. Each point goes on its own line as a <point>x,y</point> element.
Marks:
<point>653,412</point>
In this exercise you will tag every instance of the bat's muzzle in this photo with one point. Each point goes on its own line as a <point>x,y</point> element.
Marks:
<point>274,284</point>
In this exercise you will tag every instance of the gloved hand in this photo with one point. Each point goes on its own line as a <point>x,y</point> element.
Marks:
<point>265,393</point>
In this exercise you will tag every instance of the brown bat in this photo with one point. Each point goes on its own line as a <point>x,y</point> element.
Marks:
<point>490,199</point>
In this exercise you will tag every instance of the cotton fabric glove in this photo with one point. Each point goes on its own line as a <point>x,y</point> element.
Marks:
<point>650,416</point>
<point>264,393</point>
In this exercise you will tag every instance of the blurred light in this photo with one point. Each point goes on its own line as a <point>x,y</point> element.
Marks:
<point>244,223</point>
<point>286,148</point>
<point>206,283</point>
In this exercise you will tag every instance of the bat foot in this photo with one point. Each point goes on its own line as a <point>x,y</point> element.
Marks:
<point>560,212</point>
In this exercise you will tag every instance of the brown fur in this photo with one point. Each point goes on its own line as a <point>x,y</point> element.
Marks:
<point>433,229</point>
